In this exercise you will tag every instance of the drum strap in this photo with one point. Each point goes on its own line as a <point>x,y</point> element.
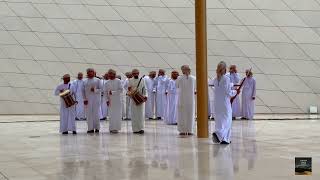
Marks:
<point>140,82</point>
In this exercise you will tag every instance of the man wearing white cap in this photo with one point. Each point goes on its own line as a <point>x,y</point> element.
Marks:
<point>78,84</point>
<point>92,97</point>
<point>138,111</point>
<point>113,91</point>
<point>186,85</point>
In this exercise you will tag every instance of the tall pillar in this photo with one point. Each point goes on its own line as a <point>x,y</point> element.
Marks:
<point>201,67</point>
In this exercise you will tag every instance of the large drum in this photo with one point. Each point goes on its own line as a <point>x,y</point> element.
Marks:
<point>137,97</point>
<point>68,98</point>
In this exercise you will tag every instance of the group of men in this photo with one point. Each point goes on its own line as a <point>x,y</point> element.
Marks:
<point>171,99</point>
<point>241,107</point>
<point>227,87</point>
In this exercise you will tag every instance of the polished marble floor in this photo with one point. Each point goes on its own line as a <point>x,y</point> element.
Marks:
<point>260,150</point>
<point>38,118</point>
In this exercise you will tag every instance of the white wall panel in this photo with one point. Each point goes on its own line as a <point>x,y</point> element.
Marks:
<point>40,40</point>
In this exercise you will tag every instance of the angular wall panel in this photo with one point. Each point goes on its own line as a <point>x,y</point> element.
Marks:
<point>40,40</point>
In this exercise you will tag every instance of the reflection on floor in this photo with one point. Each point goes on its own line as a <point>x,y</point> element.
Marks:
<point>259,150</point>
<point>39,118</point>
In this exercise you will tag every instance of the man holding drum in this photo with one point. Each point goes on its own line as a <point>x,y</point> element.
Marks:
<point>67,105</point>
<point>137,86</point>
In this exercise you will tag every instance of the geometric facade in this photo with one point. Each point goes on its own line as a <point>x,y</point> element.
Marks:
<point>40,40</point>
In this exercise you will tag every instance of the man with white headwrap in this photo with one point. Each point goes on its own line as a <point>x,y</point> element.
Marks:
<point>128,99</point>
<point>235,80</point>
<point>113,91</point>
<point>123,97</point>
<point>211,98</point>
<point>137,111</point>
<point>171,112</point>
<point>248,96</point>
<point>186,85</point>
<point>104,107</point>
<point>67,114</point>
<point>151,88</point>
<point>92,96</point>
<point>223,92</point>
<point>78,84</point>
<point>161,97</point>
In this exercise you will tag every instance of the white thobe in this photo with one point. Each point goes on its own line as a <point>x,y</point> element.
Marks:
<point>186,103</point>
<point>103,104</point>
<point>171,113</point>
<point>67,115</point>
<point>138,111</point>
<point>123,100</point>
<point>78,84</point>
<point>222,107</point>
<point>161,97</point>
<point>151,89</point>
<point>248,92</point>
<point>209,104</point>
<point>93,98</point>
<point>128,99</point>
<point>236,108</point>
<point>115,111</point>
<point>211,97</point>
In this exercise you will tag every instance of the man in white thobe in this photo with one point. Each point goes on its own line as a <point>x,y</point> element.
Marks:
<point>248,96</point>
<point>209,104</point>
<point>104,107</point>
<point>78,84</point>
<point>151,88</point>
<point>235,80</point>
<point>186,85</point>
<point>223,91</point>
<point>113,91</point>
<point>92,97</point>
<point>128,99</point>
<point>99,111</point>
<point>161,97</point>
<point>67,114</point>
<point>123,97</point>
<point>211,98</point>
<point>137,111</point>
<point>171,113</point>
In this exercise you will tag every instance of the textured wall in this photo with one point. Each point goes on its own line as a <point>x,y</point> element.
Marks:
<point>42,39</point>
